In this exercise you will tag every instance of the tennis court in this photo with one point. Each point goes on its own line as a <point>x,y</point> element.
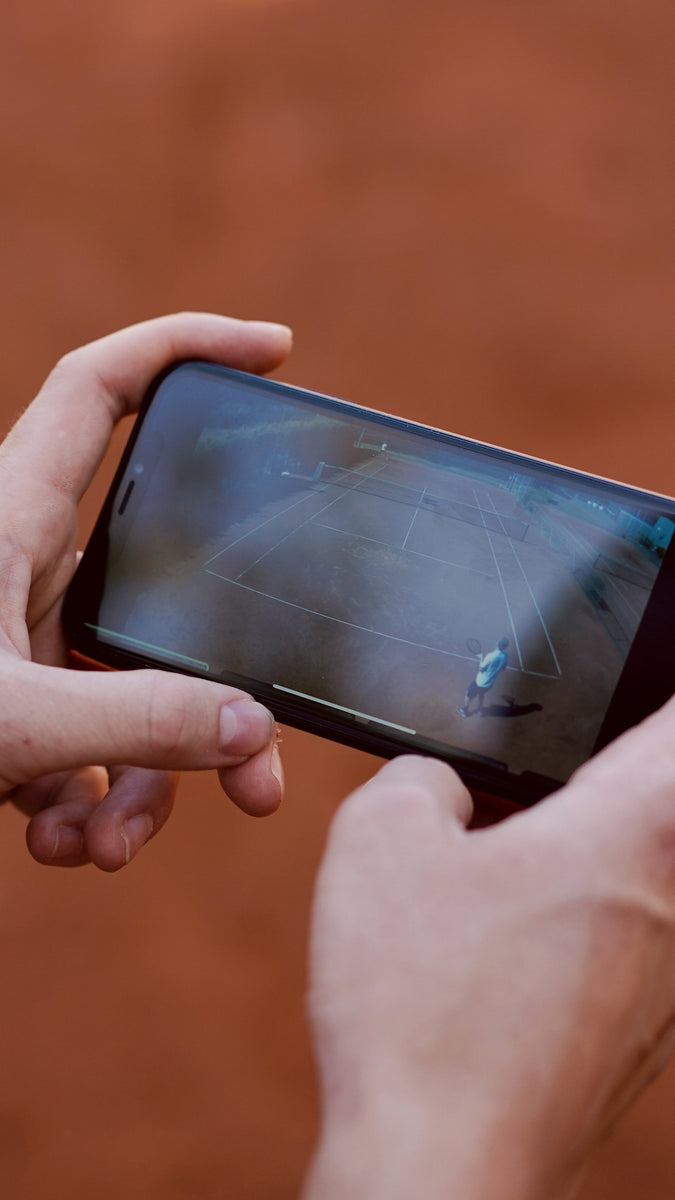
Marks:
<point>390,569</point>
<point>409,569</point>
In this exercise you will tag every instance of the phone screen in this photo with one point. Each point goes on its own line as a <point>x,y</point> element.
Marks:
<point>355,569</point>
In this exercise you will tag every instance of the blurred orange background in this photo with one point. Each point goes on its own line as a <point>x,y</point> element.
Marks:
<point>464,208</point>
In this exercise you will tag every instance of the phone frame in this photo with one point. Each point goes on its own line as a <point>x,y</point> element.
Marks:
<point>642,687</point>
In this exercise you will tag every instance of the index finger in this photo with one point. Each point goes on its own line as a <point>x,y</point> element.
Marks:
<point>67,427</point>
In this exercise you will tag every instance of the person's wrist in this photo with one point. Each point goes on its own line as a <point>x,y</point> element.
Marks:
<point>443,1150</point>
<point>372,1162</point>
<point>406,1152</point>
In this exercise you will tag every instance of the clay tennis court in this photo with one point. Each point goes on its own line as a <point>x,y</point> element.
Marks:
<point>391,570</point>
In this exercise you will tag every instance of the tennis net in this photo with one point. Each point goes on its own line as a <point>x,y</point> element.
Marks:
<point>371,485</point>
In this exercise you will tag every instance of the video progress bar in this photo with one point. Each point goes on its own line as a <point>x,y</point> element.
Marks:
<point>341,708</point>
<point>121,639</point>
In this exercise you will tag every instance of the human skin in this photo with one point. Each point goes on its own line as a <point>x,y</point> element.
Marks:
<point>487,1003</point>
<point>91,756</point>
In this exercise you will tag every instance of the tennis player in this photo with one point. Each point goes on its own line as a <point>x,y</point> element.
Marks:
<point>491,665</point>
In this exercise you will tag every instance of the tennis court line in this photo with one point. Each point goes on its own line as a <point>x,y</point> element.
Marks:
<point>498,516</point>
<point>308,521</point>
<point>413,519</point>
<point>534,600</point>
<point>501,580</point>
<point>258,527</point>
<point>282,512</point>
<point>444,562</point>
<point>363,628</point>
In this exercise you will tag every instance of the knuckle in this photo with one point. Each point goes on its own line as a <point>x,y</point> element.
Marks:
<point>81,368</point>
<point>166,714</point>
<point>67,367</point>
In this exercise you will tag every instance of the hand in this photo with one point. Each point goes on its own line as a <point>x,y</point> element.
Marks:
<point>487,1003</point>
<point>55,721</point>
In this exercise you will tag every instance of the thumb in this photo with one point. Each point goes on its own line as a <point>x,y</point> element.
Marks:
<point>408,785</point>
<point>62,718</point>
<point>409,798</point>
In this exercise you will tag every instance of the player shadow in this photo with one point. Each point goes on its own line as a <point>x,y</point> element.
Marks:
<point>510,709</point>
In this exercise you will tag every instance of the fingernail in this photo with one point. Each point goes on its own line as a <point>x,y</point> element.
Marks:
<point>276,767</point>
<point>245,726</point>
<point>68,841</point>
<point>135,833</point>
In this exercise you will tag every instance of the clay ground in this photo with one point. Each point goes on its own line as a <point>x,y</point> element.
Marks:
<point>465,211</point>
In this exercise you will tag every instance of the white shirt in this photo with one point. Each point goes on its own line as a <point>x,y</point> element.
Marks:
<point>490,666</point>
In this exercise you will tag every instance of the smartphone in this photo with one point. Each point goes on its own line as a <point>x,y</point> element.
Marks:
<point>388,585</point>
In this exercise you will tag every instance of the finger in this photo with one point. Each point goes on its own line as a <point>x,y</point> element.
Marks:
<point>61,804</point>
<point>401,827</point>
<point>93,819</point>
<point>257,785</point>
<point>62,719</point>
<point>412,789</point>
<point>137,805</point>
<point>68,426</point>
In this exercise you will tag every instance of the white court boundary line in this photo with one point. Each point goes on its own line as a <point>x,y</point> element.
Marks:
<point>282,513</point>
<point>413,518</point>
<point>392,637</point>
<point>308,521</point>
<point>444,562</point>
<point>501,580</point>
<point>532,595</point>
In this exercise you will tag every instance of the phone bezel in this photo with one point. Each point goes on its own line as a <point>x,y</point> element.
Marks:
<point>642,687</point>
